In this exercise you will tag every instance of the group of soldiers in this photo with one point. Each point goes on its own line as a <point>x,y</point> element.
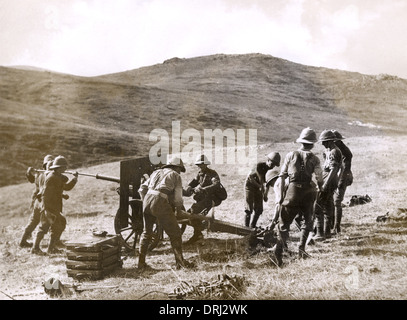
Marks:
<point>46,204</point>
<point>162,194</point>
<point>316,207</point>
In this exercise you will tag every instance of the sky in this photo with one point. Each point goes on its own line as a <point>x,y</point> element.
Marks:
<point>95,37</point>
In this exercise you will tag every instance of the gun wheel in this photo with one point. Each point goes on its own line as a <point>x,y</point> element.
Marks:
<point>130,234</point>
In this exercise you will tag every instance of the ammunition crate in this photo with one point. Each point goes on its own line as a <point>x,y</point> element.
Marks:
<point>92,257</point>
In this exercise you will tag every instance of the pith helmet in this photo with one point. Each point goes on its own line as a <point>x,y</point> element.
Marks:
<point>271,177</point>
<point>338,135</point>
<point>308,136</point>
<point>175,162</point>
<point>275,157</point>
<point>47,158</point>
<point>202,159</point>
<point>327,135</point>
<point>59,162</point>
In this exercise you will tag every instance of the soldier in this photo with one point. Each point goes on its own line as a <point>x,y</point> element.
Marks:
<point>255,192</point>
<point>345,180</point>
<point>51,216</point>
<point>162,200</point>
<point>207,189</point>
<point>299,167</point>
<point>273,180</point>
<point>37,178</point>
<point>324,206</point>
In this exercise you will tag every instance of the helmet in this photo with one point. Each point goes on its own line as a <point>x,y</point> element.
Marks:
<point>59,162</point>
<point>307,136</point>
<point>338,135</point>
<point>47,158</point>
<point>271,177</point>
<point>275,157</point>
<point>175,162</point>
<point>327,135</point>
<point>202,159</point>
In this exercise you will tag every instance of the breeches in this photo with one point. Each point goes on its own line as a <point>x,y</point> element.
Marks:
<point>202,205</point>
<point>157,209</point>
<point>288,213</point>
<point>55,223</point>
<point>254,201</point>
<point>324,207</point>
<point>198,207</point>
<point>298,200</point>
<point>35,217</point>
<point>339,195</point>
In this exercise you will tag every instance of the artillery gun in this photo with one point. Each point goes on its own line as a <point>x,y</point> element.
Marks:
<point>128,221</point>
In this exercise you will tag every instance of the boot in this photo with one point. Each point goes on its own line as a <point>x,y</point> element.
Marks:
<point>179,258</point>
<point>52,249</point>
<point>36,248</point>
<point>59,244</point>
<point>276,254</point>
<point>142,265</point>
<point>254,220</point>
<point>327,228</point>
<point>281,245</point>
<point>247,219</point>
<point>143,249</point>
<point>338,218</point>
<point>195,237</point>
<point>301,248</point>
<point>24,243</point>
<point>319,236</point>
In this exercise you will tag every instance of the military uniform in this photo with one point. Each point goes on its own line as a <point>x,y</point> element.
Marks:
<point>51,217</point>
<point>254,193</point>
<point>345,180</point>
<point>300,195</point>
<point>208,182</point>
<point>162,197</point>
<point>324,207</point>
<point>298,167</point>
<point>273,180</point>
<point>204,188</point>
<point>38,179</point>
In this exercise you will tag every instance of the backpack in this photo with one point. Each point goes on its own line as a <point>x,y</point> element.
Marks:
<point>221,193</point>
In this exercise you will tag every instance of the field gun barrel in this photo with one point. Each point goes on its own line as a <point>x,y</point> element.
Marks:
<point>97,175</point>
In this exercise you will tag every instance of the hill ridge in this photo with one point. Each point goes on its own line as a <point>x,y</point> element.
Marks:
<point>107,118</point>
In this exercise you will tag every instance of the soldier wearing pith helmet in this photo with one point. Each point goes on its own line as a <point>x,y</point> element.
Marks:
<point>162,199</point>
<point>255,190</point>
<point>51,217</point>
<point>324,206</point>
<point>38,178</point>
<point>205,189</point>
<point>345,179</point>
<point>298,167</point>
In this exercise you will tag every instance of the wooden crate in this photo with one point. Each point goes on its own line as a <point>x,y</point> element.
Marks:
<point>93,257</point>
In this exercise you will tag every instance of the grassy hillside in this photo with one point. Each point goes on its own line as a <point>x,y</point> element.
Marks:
<point>102,119</point>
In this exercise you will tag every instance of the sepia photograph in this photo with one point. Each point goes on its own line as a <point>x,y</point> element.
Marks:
<point>205,158</point>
